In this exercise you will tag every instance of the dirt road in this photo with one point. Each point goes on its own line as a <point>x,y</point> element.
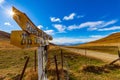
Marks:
<point>98,55</point>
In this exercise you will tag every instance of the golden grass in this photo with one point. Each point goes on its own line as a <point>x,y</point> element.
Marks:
<point>6,45</point>
<point>111,40</point>
<point>14,62</point>
<point>109,44</point>
<point>76,64</point>
<point>31,75</point>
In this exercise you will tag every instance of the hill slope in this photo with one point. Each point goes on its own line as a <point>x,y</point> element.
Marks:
<point>109,44</point>
<point>111,40</point>
<point>5,41</point>
<point>4,35</point>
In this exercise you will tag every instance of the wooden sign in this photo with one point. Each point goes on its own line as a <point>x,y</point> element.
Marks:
<point>31,36</point>
<point>27,25</point>
<point>23,40</point>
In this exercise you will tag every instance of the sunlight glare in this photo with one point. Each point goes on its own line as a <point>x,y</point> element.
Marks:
<point>1,1</point>
<point>11,13</point>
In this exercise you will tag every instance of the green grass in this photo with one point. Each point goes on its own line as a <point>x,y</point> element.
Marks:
<point>10,58</point>
<point>12,62</point>
<point>77,62</point>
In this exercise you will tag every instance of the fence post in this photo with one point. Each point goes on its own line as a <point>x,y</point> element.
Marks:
<point>62,64</point>
<point>116,59</point>
<point>56,67</point>
<point>27,60</point>
<point>35,57</point>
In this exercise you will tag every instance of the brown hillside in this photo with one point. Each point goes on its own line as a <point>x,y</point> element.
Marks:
<point>111,40</point>
<point>109,44</point>
<point>5,40</point>
<point>4,35</point>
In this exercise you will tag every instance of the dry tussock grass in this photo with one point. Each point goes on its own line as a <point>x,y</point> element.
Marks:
<point>100,69</point>
<point>31,75</point>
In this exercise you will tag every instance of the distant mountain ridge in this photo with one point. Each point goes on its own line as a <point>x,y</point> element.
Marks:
<point>4,35</point>
<point>69,44</point>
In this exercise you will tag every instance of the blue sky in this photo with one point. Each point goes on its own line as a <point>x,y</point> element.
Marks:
<point>68,21</point>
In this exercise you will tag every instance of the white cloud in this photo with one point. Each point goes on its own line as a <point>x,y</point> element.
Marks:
<point>114,32</point>
<point>109,23</point>
<point>50,32</point>
<point>40,26</point>
<point>53,19</point>
<point>59,27</point>
<point>110,28</point>
<point>7,24</point>
<point>71,27</point>
<point>91,25</point>
<point>68,40</point>
<point>70,17</point>
<point>95,25</point>
<point>97,36</point>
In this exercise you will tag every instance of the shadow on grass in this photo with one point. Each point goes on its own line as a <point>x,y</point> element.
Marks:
<point>100,69</point>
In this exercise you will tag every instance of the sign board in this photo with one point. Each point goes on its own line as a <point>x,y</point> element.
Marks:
<point>27,25</point>
<point>31,36</point>
<point>23,40</point>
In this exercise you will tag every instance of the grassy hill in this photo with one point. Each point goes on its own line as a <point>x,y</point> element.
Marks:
<point>109,44</point>
<point>111,40</point>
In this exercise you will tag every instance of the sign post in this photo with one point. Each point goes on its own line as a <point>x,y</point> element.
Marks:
<point>40,63</point>
<point>31,36</point>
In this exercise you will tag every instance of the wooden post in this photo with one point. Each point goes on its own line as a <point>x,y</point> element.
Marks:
<point>40,61</point>
<point>86,56</point>
<point>114,61</point>
<point>35,63</point>
<point>57,72</point>
<point>41,64</point>
<point>85,52</point>
<point>24,68</point>
<point>62,64</point>
<point>118,53</point>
